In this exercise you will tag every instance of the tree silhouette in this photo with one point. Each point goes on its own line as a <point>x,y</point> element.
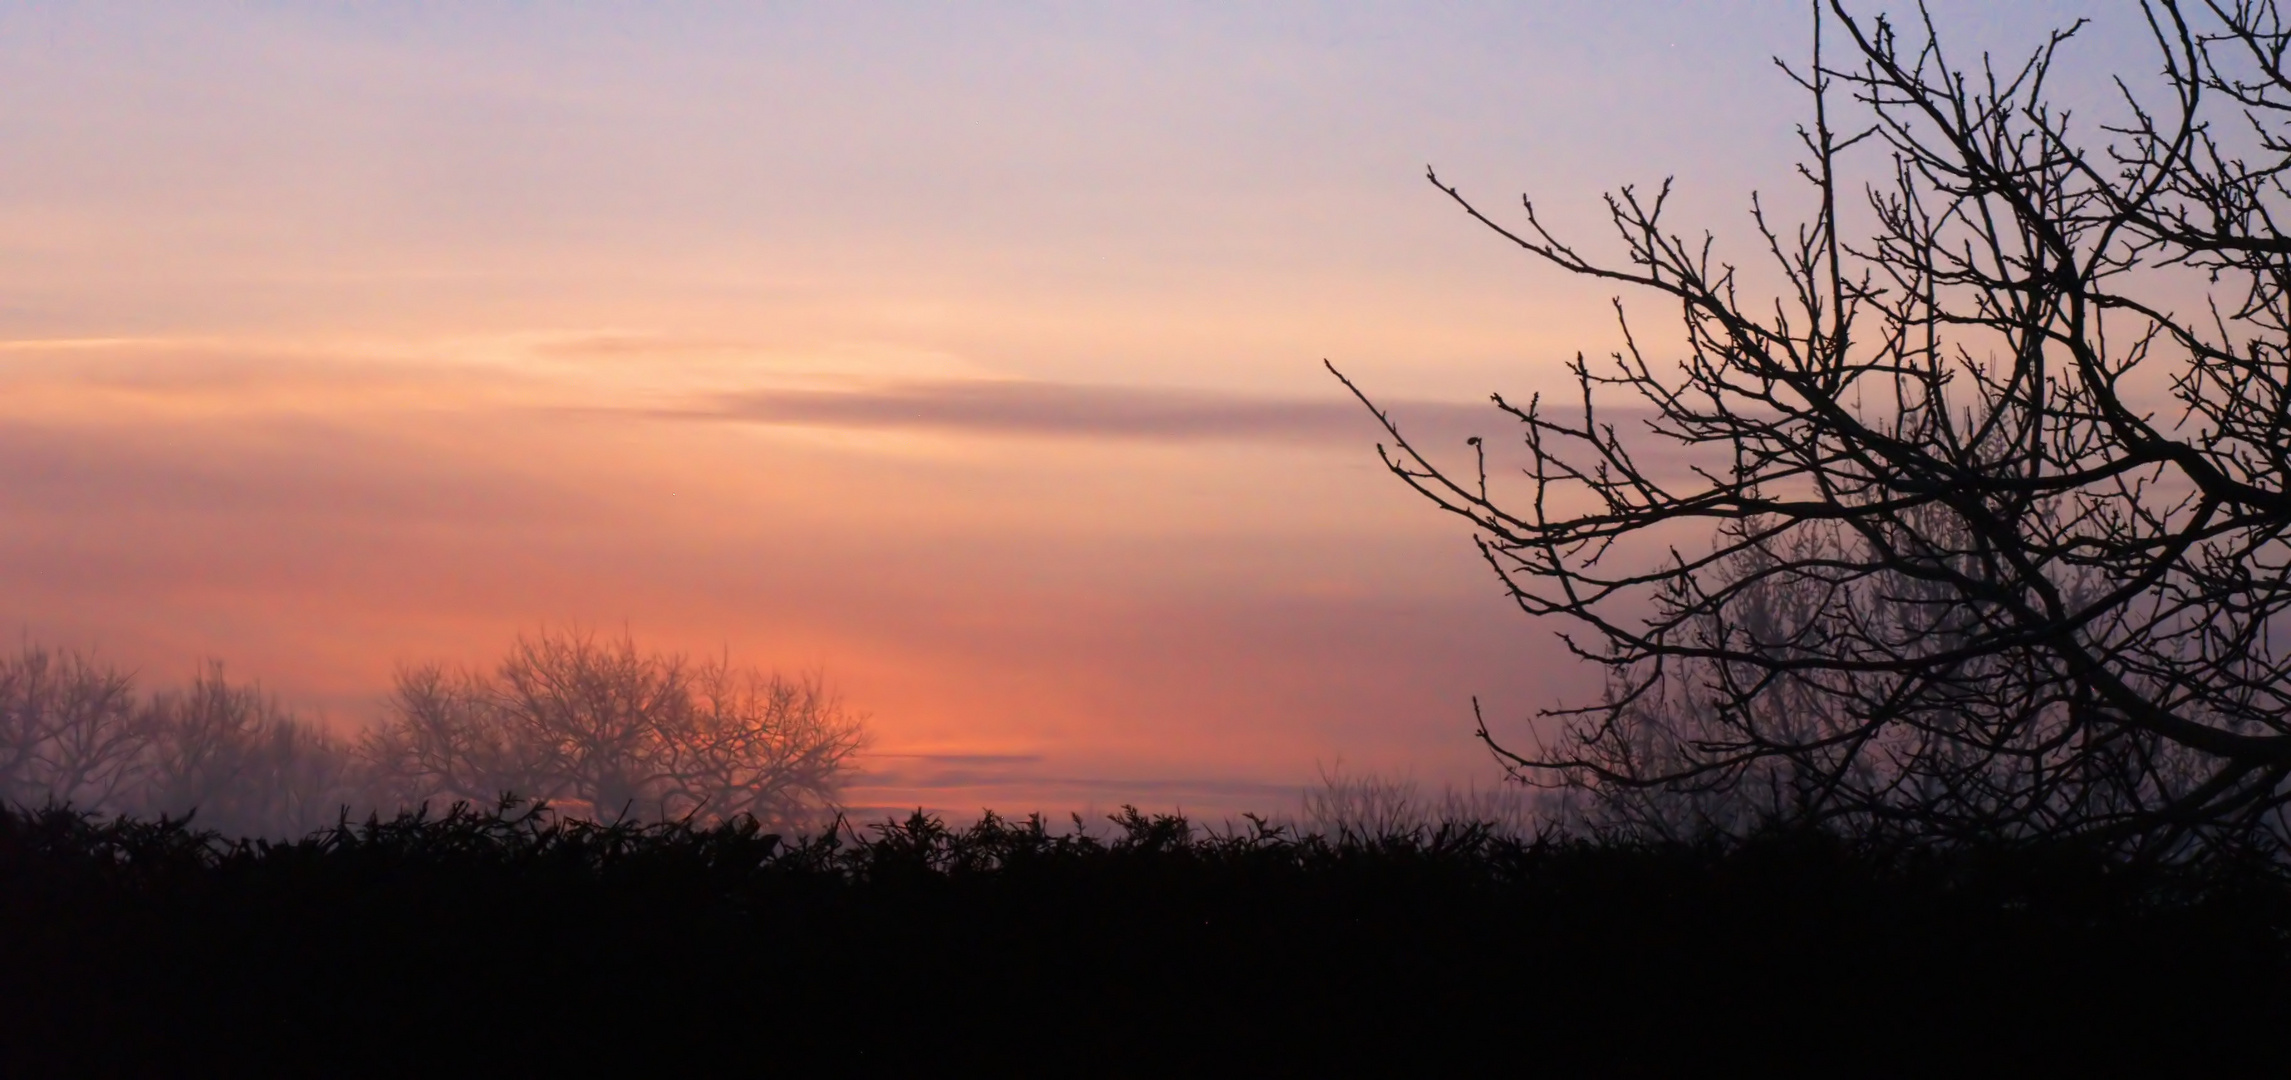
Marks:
<point>599,728</point>
<point>1999,469</point>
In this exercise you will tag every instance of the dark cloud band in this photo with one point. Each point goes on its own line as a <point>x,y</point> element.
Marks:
<point>1077,411</point>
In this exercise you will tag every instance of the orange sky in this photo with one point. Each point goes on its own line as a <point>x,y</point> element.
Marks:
<point>1044,594</point>
<point>972,358</point>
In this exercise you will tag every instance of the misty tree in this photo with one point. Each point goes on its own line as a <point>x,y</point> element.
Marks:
<point>600,728</point>
<point>239,763</point>
<point>596,728</point>
<point>75,732</point>
<point>1961,508</point>
<point>71,731</point>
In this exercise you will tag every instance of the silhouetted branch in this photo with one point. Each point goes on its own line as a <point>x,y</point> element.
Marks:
<point>1967,579</point>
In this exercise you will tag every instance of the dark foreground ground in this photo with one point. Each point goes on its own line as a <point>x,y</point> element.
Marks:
<point>484,944</point>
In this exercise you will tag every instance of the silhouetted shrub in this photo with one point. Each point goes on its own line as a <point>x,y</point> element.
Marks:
<point>468,941</point>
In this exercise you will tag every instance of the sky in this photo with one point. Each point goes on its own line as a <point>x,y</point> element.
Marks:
<point>968,355</point>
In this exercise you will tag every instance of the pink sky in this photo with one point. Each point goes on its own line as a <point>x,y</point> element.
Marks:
<point>969,355</point>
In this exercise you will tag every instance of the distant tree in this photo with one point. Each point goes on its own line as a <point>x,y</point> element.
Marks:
<point>1999,466</point>
<point>773,747</point>
<point>601,729</point>
<point>245,766</point>
<point>74,731</point>
<point>595,727</point>
<point>70,731</point>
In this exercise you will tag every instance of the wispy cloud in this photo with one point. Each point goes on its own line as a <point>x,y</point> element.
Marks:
<point>1070,410</point>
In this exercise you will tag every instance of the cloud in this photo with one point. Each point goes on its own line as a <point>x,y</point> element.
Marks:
<point>1072,410</point>
<point>961,759</point>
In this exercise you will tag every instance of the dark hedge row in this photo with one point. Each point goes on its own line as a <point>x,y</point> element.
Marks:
<point>508,941</point>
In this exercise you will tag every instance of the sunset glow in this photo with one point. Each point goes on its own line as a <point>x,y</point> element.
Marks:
<point>971,357</point>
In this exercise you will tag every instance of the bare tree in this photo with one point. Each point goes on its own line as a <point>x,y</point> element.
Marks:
<point>605,730</point>
<point>768,746</point>
<point>1999,470</point>
<point>73,731</point>
<point>245,766</point>
<point>70,731</point>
